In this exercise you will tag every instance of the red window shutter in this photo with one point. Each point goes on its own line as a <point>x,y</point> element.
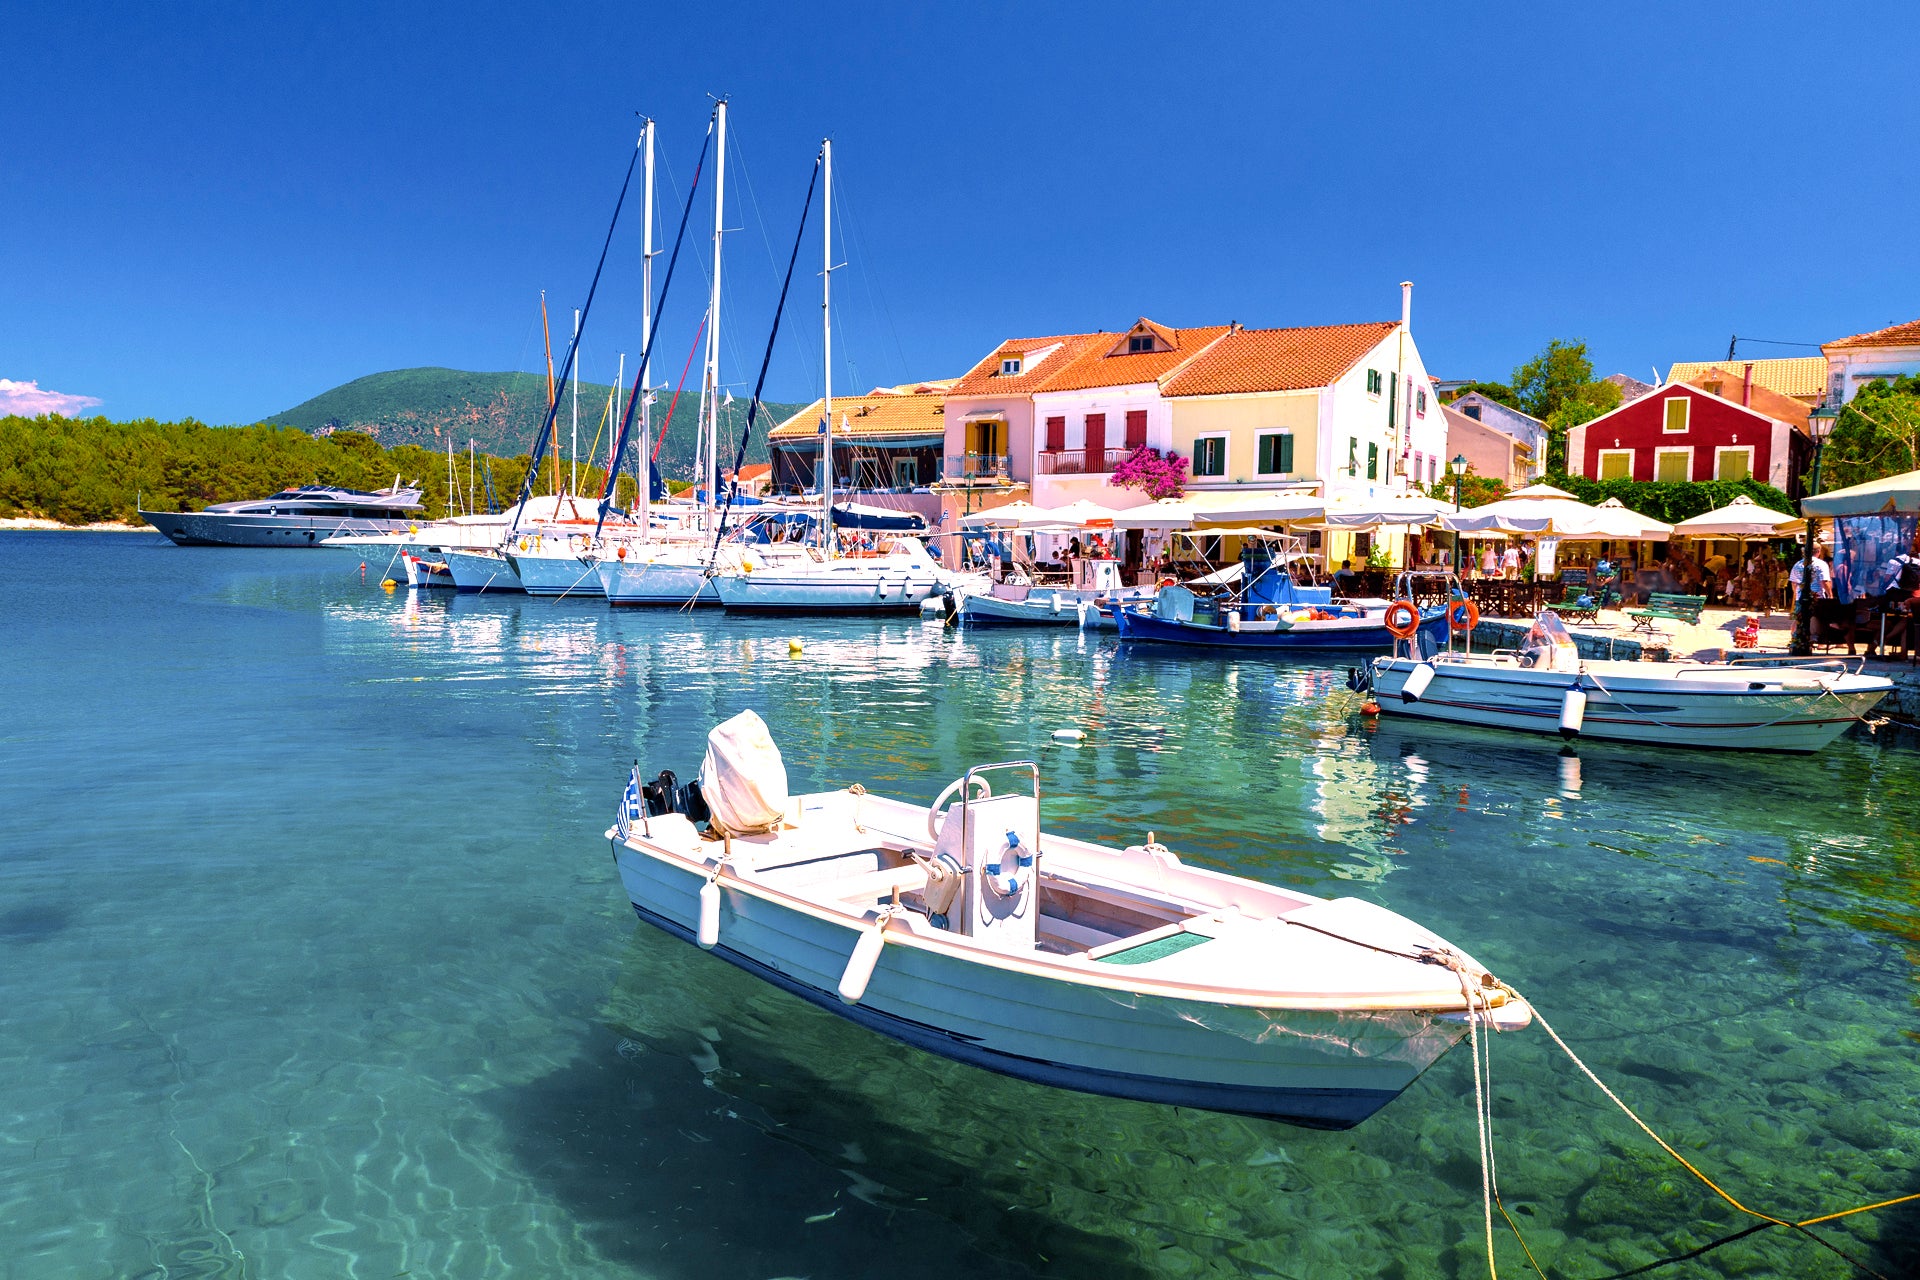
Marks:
<point>1136,428</point>
<point>1096,442</point>
<point>1056,434</point>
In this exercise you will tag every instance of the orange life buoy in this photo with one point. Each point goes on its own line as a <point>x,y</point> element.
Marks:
<point>1402,618</point>
<point>621,553</point>
<point>1168,581</point>
<point>1463,615</point>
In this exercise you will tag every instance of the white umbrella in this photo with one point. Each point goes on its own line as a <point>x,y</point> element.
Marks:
<point>1741,518</point>
<point>1616,520</point>
<point>1274,507</point>
<point>1081,514</point>
<point>1542,509</point>
<point>1008,516</point>
<point>1166,513</point>
<point>1889,495</point>
<point>1348,511</point>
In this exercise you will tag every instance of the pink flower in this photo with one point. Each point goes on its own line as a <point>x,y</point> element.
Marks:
<point>1156,476</point>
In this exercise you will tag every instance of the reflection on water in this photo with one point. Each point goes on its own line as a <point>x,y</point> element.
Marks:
<point>316,964</point>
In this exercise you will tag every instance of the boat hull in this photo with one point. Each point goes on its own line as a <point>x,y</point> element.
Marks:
<point>1625,707</point>
<point>1319,1068</point>
<point>478,571</point>
<point>1336,635</point>
<point>662,583</point>
<point>827,590</point>
<point>557,575</point>
<point>1043,607</point>
<point>241,529</point>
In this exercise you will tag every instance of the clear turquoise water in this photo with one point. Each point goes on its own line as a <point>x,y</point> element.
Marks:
<point>313,963</point>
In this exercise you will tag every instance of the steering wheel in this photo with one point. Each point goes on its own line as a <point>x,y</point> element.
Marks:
<point>934,810</point>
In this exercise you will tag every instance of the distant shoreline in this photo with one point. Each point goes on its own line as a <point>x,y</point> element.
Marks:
<point>54,526</point>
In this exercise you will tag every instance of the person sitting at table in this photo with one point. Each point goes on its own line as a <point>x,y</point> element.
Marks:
<point>1345,579</point>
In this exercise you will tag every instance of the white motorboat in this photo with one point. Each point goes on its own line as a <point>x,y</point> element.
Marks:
<point>680,573</point>
<point>1096,584</point>
<point>1547,687</point>
<point>969,931</point>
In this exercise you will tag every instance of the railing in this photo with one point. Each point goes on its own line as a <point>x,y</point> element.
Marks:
<point>973,468</point>
<point>1081,462</point>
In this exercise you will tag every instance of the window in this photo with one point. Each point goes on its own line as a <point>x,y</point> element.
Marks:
<point>906,473</point>
<point>1136,428</point>
<point>1433,472</point>
<point>1010,367</point>
<point>1672,465</point>
<point>1733,463</point>
<point>1676,421</point>
<point>866,473</point>
<point>1373,462</point>
<point>1373,382</point>
<point>1056,435</point>
<point>1420,402</point>
<point>1353,456</point>
<point>1616,464</point>
<point>1363,544</point>
<point>1210,456</point>
<point>1276,453</point>
<point>1472,411</point>
<point>1139,342</point>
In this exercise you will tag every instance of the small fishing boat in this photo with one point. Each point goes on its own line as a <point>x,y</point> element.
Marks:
<point>1096,584</point>
<point>1272,613</point>
<point>305,516</point>
<point>967,930</point>
<point>426,567</point>
<point>1545,686</point>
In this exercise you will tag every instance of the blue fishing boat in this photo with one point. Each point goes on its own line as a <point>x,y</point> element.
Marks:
<point>1272,613</point>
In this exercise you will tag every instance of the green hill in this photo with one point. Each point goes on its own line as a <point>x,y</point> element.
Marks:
<point>500,412</point>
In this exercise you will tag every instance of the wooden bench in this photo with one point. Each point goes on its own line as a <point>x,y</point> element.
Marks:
<point>1576,612</point>
<point>1664,604</point>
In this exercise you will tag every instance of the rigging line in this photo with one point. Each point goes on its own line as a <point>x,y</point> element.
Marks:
<point>806,346</point>
<point>857,251</point>
<point>667,423</point>
<point>1776,342</point>
<point>546,428</point>
<point>753,406</point>
<point>653,335</point>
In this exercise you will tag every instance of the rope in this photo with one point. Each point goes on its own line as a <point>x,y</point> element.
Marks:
<point>1826,691</point>
<point>1766,1219</point>
<point>671,404</point>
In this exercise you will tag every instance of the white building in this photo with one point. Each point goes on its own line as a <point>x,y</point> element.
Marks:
<point>1885,353</point>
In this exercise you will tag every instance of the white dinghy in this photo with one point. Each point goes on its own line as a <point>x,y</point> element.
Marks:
<point>966,930</point>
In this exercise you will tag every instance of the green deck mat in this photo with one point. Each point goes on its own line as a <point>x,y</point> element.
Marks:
<point>1158,949</point>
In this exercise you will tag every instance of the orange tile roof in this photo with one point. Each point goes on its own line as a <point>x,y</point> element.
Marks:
<point>1112,365</point>
<point>985,378</point>
<point>1894,335</point>
<point>883,412</point>
<point>1727,384</point>
<point>1790,376</point>
<point>1277,359</point>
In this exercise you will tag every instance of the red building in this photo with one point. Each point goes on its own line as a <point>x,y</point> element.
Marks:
<point>1718,427</point>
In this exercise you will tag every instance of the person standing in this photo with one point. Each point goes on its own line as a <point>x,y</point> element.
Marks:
<point>1510,563</point>
<point>1822,585</point>
<point>1489,562</point>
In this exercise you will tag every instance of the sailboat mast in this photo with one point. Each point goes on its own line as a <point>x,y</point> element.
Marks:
<point>546,336</point>
<point>642,498</point>
<point>613,419</point>
<point>712,461</point>
<point>826,347</point>
<point>573,472</point>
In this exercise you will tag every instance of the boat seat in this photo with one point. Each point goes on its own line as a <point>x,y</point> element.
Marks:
<point>880,884</point>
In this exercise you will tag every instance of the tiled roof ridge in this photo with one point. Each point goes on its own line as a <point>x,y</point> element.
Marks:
<point>1903,334</point>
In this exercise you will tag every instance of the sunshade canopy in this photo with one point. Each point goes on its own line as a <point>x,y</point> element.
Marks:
<point>1888,496</point>
<point>1741,518</point>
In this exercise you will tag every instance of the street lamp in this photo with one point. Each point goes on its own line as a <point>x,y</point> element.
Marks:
<point>1820,425</point>
<point>1459,468</point>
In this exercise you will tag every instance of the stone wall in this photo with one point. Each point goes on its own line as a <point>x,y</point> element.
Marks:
<point>1510,635</point>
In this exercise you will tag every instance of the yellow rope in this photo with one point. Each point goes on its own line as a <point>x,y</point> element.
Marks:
<point>1689,1166</point>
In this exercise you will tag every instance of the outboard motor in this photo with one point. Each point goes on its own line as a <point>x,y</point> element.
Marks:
<point>665,794</point>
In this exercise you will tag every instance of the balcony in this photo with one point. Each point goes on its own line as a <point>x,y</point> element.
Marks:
<point>971,469</point>
<point>1081,462</point>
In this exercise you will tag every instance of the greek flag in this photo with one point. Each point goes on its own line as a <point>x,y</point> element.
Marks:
<point>631,806</point>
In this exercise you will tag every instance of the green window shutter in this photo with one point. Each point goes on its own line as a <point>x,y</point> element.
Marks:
<point>1393,399</point>
<point>1286,455</point>
<point>1373,462</point>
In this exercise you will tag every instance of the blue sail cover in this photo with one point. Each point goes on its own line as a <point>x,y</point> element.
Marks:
<point>852,516</point>
<point>1270,583</point>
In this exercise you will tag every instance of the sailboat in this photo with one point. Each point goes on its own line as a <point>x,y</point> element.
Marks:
<point>895,577</point>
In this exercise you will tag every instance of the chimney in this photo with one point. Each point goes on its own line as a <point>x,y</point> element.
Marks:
<point>1406,304</point>
<point>1746,387</point>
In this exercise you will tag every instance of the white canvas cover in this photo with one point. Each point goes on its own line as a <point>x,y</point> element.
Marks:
<point>743,779</point>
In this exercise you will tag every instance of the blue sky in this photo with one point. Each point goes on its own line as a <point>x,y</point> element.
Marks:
<point>220,211</point>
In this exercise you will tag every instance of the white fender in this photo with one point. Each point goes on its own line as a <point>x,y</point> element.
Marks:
<point>1233,619</point>
<point>1573,712</point>
<point>1056,602</point>
<point>709,932</point>
<point>1417,681</point>
<point>860,965</point>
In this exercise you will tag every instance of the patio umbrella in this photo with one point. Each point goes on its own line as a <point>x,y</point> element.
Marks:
<point>1538,508</point>
<point>1081,514</point>
<point>1165,513</point>
<point>1008,516</point>
<point>1615,520</point>
<point>1887,496</point>
<point>1349,511</point>
<point>1741,518</point>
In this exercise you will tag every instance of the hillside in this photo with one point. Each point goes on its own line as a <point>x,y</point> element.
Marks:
<point>499,412</point>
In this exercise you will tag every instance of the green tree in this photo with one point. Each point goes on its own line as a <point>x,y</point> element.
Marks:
<point>1877,434</point>
<point>1475,490</point>
<point>1557,386</point>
